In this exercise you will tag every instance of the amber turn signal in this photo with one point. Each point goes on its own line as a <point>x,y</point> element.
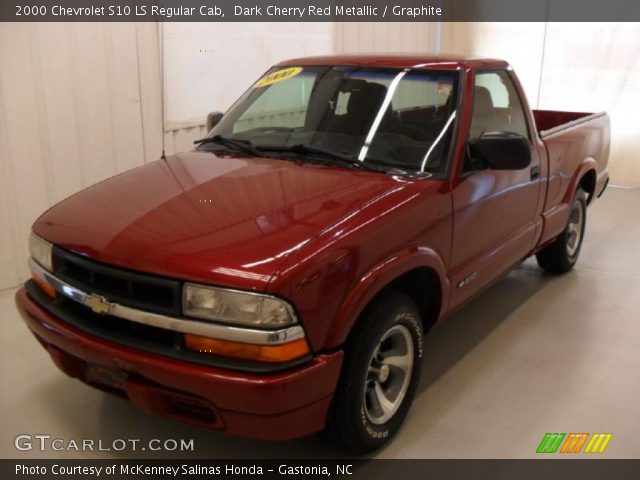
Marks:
<point>44,286</point>
<point>248,351</point>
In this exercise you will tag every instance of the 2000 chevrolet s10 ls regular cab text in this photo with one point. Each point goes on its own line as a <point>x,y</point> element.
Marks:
<point>278,280</point>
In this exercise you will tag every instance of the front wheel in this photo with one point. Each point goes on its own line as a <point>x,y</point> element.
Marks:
<point>562,254</point>
<point>380,375</point>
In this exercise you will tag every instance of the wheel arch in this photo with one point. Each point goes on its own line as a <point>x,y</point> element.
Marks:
<point>588,184</point>
<point>585,177</point>
<point>418,272</point>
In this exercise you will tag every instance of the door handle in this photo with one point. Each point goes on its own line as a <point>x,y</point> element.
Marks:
<point>535,172</point>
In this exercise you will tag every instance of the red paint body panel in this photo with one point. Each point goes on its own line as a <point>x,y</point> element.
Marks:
<point>384,238</point>
<point>550,119</point>
<point>327,239</point>
<point>398,61</point>
<point>227,221</point>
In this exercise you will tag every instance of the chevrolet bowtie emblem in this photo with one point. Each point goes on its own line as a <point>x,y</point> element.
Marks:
<point>98,304</point>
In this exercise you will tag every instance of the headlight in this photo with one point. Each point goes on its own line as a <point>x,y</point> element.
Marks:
<point>238,308</point>
<point>40,251</point>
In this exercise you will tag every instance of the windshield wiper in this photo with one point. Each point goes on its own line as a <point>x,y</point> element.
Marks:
<point>247,146</point>
<point>393,170</point>
<point>244,146</point>
<point>331,155</point>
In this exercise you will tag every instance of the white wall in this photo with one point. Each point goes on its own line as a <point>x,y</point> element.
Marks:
<point>597,67</point>
<point>519,43</point>
<point>77,104</point>
<point>570,66</point>
<point>208,65</point>
<point>360,37</point>
<point>80,102</point>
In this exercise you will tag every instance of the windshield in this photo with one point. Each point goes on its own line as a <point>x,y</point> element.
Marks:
<point>394,118</point>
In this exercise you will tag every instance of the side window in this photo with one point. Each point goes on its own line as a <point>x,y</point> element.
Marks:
<point>496,106</point>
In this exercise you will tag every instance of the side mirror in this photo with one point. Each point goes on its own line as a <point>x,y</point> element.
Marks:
<point>501,150</point>
<point>213,119</point>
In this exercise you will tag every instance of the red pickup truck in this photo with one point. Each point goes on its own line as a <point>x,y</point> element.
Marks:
<point>278,279</point>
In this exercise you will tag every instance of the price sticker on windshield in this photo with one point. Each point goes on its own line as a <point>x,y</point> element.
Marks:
<point>278,76</point>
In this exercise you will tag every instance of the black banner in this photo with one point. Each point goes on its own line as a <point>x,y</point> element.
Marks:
<point>319,10</point>
<point>543,469</point>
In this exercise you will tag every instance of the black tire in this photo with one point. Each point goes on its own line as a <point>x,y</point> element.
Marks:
<point>356,423</point>
<point>562,254</point>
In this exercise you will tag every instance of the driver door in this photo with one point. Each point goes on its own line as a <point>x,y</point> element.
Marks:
<point>494,210</point>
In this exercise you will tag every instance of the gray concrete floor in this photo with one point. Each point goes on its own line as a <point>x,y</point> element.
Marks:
<point>533,354</point>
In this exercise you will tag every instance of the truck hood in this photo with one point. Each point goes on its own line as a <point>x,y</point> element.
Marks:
<point>229,221</point>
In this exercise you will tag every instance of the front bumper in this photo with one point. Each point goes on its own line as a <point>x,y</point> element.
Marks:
<point>274,406</point>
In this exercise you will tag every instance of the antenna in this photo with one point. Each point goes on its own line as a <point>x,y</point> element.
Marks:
<point>161,35</point>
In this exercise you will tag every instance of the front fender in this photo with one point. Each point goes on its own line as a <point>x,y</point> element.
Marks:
<point>376,279</point>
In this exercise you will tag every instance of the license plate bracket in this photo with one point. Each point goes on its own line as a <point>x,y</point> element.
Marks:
<point>107,376</point>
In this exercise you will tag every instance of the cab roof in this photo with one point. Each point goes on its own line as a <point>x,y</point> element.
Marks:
<point>391,60</point>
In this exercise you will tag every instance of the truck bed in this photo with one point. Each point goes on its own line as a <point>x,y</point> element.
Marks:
<point>549,122</point>
<point>576,143</point>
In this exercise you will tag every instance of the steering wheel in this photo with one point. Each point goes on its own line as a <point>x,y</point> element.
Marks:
<point>410,131</point>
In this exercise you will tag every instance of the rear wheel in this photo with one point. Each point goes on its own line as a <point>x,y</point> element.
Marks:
<point>561,255</point>
<point>379,377</point>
